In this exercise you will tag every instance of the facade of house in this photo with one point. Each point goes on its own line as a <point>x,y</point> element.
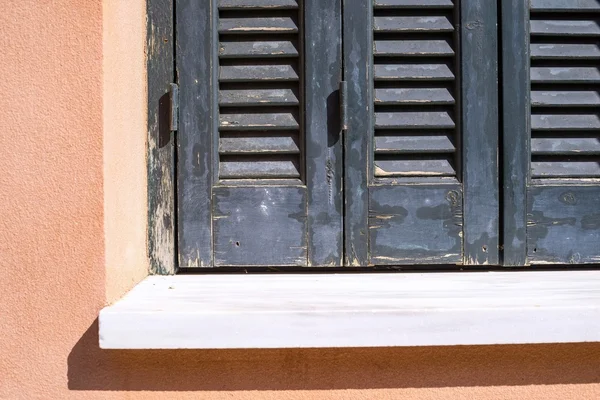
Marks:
<point>74,238</point>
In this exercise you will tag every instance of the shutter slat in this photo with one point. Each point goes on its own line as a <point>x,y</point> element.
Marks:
<point>259,145</point>
<point>565,75</point>
<point>412,24</point>
<point>244,26</point>
<point>564,51</point>
<point>390,168</point>
<point>251,168</point>
<point>413,4</point>
<point>564,28</point>
<point>248,73</point>
<point>546,98</point>
<point>413,120</point>
<point>565,122</point>
<point>258,97</point>
<point>257,4</point>
<point>257,49</point>
<point>413,96</point>
<point>565,146</point>
<point>413,72</point>
<point>414,48</point>
<point>565,5</point>
<point>565,169</point>
<point>257,121</point>
<point>413,144</point>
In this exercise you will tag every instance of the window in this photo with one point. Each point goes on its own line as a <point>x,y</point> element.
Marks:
<point>318,135</point>
<point>374,135</point>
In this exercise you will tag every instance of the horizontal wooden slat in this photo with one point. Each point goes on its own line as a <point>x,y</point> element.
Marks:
<point>257,4</point>
<point>545,98</point>
<point>565,122</point>
<point>413,4</point>
<point>257,25</point>
<point>413,120</point>
<point>565,5</point>
<point>245,73</point>
<point>251,168</point>
<point>412,24</point>
<point>386,168</point>
<point>563,169</point>
<point>565,146</point>
<point>257,121</point>
<point>257,97</point>
<point>564,51</point>
<point>413,96</point>
<point>565,74</point>
<point>257,49</point>
<point>259,145</point>
<point>414,48</point>
<point>565,28</point>
<point>413,72</point>
<point>413,144</point>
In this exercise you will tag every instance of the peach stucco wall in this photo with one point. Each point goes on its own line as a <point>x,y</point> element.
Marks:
<point>72,238</point>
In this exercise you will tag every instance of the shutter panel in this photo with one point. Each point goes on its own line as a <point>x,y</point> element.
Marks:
<point>560,127</point>
<point>422,133</point>
<point>259,172</point>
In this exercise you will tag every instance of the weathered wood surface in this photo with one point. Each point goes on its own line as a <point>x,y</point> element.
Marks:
<point>161,142</point>
<point>515,121</point>
<point>413,3</point>
<point>258,168</point>
<point>257,4</point>
<point>401,167</point>
<point>565,5</point>
<point>413,72</point>
<point>415,224</point>
<point>323,66</point>
<point>416,144</point>
<point>196,66</point>
<point>358,50</point>
<point>479,94</point>
<point>412,24</point>
<point>563,224</point>
<point>260,226</point>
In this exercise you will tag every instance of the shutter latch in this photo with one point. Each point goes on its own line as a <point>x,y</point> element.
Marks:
<point>344,105</point>
<point>174,101</point>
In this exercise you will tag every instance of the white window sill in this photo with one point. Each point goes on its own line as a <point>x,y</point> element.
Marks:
<point>355,310</point>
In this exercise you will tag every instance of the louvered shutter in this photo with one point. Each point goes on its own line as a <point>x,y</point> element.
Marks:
<point>421,146</point>
<point>557,129</point>
<point>259,161</point>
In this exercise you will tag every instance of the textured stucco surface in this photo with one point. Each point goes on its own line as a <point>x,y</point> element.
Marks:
<point>71,231</point>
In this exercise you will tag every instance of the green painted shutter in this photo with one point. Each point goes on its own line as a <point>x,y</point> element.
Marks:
<point>259,166</point>
<point>421,147</point>
<point>557,131</point>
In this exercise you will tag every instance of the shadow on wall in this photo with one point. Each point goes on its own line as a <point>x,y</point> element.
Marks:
<point>91,368</point>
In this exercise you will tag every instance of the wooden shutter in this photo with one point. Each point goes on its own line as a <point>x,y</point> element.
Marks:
<point>421,146</point>
<point>552,121</point>
<point>259,166</point>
